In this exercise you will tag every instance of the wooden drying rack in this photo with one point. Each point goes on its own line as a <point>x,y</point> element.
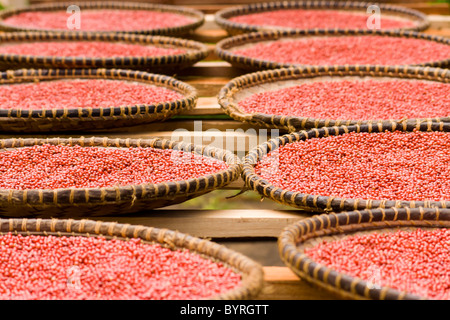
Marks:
<point>208,76</point>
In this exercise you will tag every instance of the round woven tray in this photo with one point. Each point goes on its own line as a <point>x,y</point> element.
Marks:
<point>195,51</point>
<point>82,202</point>
<point>319,203</point>
<point>225,48</point>
<point>197,16</point>
<point>250,271</point>
<point>247,85</point>
<point>233,28</point>
<point>309,232</point>
<point>96,118</point>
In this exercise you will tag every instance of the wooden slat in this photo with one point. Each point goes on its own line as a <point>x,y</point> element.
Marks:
<point>206,87</point>
<point>216,223</point>
<point>282,284</point>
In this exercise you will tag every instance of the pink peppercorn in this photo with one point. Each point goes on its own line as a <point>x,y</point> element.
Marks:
<point>349,50</point>
<point>72,94</point>
<point>381,166</point>
<point>416,262</point>
<point>81,268</point>
<point>53,167</point>
<point>100,20</point>
<point>355,100</point>
<point>321,19</point>
<point>90,49</point>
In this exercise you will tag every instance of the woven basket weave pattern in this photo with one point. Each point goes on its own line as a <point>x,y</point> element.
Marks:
<point>224,47</point>
<point>78,202</point>
<point>320,203</point>
<point>229,104</point>
<point>294,239</point>
<point>222,16</point>
<point>195,51</point>
<point>251,272</point>
<point>196,15</point>
<point>47,120</point>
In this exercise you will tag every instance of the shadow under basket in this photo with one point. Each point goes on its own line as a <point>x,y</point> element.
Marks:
<point>166,64</point>
<point>114,200</point>
<point>308,233</point>
<point>226,47</point>
<point>250,271</point>
<point>255,83</point>
<point>97,118</point>
<point>223,16</point>
<point>196,16</point>
<point>321,203</point>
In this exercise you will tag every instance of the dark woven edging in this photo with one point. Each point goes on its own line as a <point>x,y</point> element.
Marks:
<point>251,272</point>
<point>295,123</point>
<point>324,203</point>
<point>196,51</point>
<point>291,249</point>
<point>222,16</point>
<point>224,47</point>
<point>160,110</point>
<point>197,15</point>
<point>124,194</point>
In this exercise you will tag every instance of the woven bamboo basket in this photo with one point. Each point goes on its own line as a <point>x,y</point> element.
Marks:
<point>250,271</point>
<point>196,16</point>
<point>195,51</point>
<point>247,85</point>
<point>320,203</point>
<point>226,47</point>
<point>223,16</point>
<point>114,200</point>
<point>95,118</point>
<point>307,233</point>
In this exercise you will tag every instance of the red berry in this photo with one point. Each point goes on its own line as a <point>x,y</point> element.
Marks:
<point>355,100</point>
<point>100,20</point>
<point>416,262</point>
<point>321,19</point>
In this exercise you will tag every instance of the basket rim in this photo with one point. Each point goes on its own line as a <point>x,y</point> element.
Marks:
<point>197,16</point>
<point>251,272</point>
<point>128,193</point>
<point>321,203</point>
<point>293,236</point>
<point>168,108</point>
<point>223,47</point>
<point>226,96</point>
<point>222,16</point>
<point>195,50</point>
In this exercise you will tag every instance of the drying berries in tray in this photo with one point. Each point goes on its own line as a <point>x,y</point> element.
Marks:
<point>92,260</point>
<point>293,99</point>
<point>98,50</point>
<point>50,100</point>
<point>98,176</point>
<point>381,254</point>
<point>103,16</point>
<point>306,15</point>
<point>356,167</point>
<point>276,49</point>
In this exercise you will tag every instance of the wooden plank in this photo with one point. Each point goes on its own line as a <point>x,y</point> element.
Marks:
<point>206,87</point>
<point>423,6</point>
<point>282,284</point>
<point>206,106</point>
<point>216,223</point>
<point>211,69</point>
<point>439,21</point>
